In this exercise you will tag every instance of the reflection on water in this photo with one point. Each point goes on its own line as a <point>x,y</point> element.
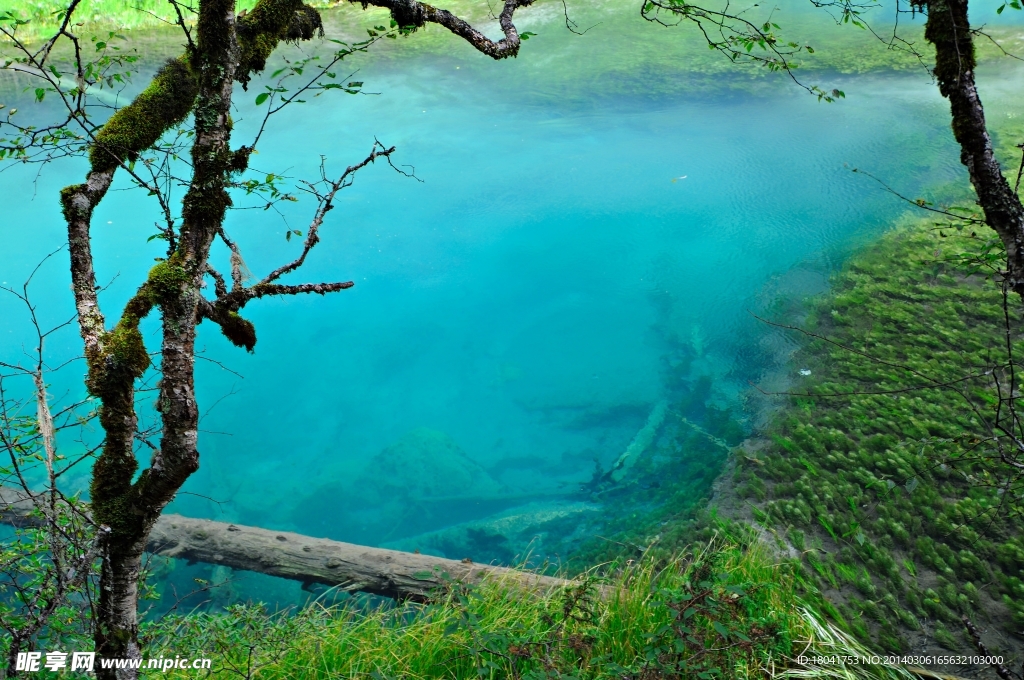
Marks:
<point>519,313</point>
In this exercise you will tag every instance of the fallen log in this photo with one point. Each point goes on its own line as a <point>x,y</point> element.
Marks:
<point>350,567</point>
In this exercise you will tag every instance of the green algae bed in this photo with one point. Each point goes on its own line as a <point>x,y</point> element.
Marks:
<point>874,474</point>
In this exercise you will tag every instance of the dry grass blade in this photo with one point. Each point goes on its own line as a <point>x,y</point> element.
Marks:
<point>847,658</point>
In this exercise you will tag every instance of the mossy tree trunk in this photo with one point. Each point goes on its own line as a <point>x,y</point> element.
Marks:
<point>228,48</point>
<point>129,508</point>
<point>949,31</point>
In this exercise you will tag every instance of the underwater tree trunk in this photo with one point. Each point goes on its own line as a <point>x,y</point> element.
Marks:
<point>390,573</point>
<point>950,32</point>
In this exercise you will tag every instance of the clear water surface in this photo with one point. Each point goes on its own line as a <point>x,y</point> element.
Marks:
<point>520,311</point>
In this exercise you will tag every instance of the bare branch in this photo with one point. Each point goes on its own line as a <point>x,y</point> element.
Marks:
<point>326,205</point>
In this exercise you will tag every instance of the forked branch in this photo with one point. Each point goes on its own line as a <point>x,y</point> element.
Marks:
<point>414,14</point>
<point>223,310</point>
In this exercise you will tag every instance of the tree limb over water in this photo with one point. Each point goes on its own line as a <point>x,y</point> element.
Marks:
<point>414,14</point>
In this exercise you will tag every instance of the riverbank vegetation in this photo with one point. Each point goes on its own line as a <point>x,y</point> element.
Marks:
<point>620,54</point>
<point>720,610</point>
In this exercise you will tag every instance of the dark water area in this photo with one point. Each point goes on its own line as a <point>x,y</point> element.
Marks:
<point>569,279</point>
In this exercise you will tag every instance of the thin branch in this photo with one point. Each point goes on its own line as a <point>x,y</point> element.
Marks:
<point>326,201</point>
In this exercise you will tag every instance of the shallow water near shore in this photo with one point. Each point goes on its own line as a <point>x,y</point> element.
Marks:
<point>556,270</point>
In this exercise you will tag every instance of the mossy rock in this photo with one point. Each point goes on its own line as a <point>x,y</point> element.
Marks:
<point>421,483</point>
<point>424,464</point>
<point>534,532</point>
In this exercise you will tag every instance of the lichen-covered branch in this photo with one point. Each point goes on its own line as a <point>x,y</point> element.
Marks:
<point>950,32</point>
<point>414,14</point>
<point>167,101</point>
<point>269,23</point>
<point>241,332</point>
<point>78,202</point>
<point>224,309</point>
<point>138,126</point>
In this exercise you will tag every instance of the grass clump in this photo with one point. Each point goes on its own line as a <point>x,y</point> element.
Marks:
<point>720,610</point>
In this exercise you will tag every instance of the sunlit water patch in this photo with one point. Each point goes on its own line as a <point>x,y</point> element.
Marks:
<point>556,272</point>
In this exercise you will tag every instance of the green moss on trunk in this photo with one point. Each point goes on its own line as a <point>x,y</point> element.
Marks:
<point>136,127</point>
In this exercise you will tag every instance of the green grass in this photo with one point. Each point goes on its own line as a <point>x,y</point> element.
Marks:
<point>742,602</point>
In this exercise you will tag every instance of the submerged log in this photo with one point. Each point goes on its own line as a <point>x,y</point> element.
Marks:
<point>391,573</point>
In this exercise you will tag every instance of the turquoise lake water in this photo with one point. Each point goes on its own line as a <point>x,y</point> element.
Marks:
<point>520,312</point>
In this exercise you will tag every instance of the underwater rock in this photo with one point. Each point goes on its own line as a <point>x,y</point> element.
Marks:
<point>424,464</point>
<point>535,530</point>
<point>422,482</point>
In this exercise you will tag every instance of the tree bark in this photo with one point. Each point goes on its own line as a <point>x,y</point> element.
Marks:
<point>390,573</point>
<point>133,511</point>
<point>949,31</point>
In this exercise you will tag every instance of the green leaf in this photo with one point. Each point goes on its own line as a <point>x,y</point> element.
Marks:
<point>262,97</point>
<point>722,630</point>
<point>527,35</point>
<point>425,575</point>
